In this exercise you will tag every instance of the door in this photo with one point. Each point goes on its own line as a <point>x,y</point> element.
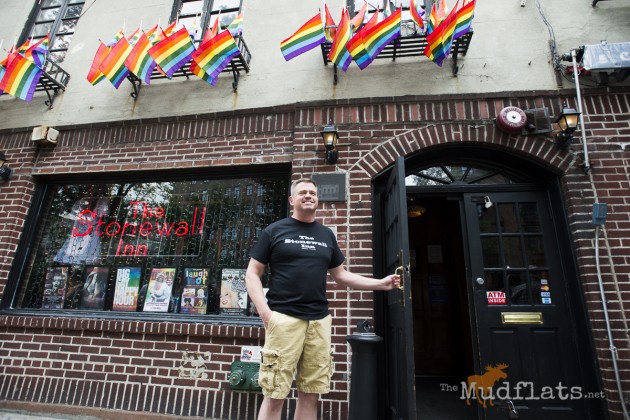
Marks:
<point>399,369</point>
<point>526,346</point>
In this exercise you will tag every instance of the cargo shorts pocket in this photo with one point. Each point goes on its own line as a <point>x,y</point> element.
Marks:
<point>269,368</point>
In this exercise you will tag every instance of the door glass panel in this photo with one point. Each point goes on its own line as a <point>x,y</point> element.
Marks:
<point>41,29</point>
<point>513,251</point>
<point>61,42</point>
<point>68,26</point>
<point>48,3</point>
<point>226,4</point>
<point>192,8</point>
<point>534,251</point>
<point>528,216</point>
<point>540,287</point>
<point>517,285</point>
<point>494,281</point>
<point>490,251</point>
<point>487,219</point>
<point>74,11</point>
<point>507,216</point>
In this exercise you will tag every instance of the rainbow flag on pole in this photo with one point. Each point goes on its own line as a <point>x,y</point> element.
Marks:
<point>214,55</point>
<point>338,53</point>
<point>357,48</point>
<point>309,36</point>
<point>139,62</point>
<point>173,52</point>
<point>417,15</point>
<point>464,19</point>
<point>38,51</point>
<point>440,40</point>
<point>236,27</point>
<point>357,20</point>
<point>380,35</point>
<point>95,75</point>
<point>113,66</point>
<point>21,77</point>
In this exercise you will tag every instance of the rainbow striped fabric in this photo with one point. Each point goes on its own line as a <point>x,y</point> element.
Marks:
<point>357,20</point>
<point>374,39</point>
<point>173,52</point>
<point>139,62</point>
<point>113,66</point>
<point>330,30</point>
<point>356,47</point>
<point>38,51</point>
<point>440,40</point>
<point>95,75</point>
<point>338,53</point>
<point>236,27</point>
<point>416,15</point>
<point>214,55</point>
<point>464,19</point>
<point>117,37</point>
<point>309,36</point>
<point>21,77</point>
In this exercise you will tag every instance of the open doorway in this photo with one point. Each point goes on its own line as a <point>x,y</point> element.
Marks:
<point>443,348</point>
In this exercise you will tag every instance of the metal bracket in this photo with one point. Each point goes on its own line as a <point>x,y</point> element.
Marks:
<point>136,83</point>
<point>236,74</point>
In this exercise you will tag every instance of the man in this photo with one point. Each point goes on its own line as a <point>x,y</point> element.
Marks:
<point>299,252</point>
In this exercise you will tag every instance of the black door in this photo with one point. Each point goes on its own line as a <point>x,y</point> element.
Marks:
<point>526,345</point>
<point>399,370</point>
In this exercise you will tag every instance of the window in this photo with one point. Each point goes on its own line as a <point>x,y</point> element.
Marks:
<point>407,25</point>
<point>202,14</point>
<point>144,246</point>
<point>58,19</point>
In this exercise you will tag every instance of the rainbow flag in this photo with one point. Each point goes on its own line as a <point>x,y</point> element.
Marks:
<point>338,53</point>
<point>168,31</point>
<point>20,78</point>
<point>464,19</point>
<point>38,51</point>
<point>440,40</point>
<point>381,34</point>
<point>153,34</point>
<point>119,35</point>
<point>139,62</point>
<point>236,27</point>
<point>357,20</point>
<point>417,15</point>
<point>432,19</point>
<point>113,66</point>
<point>134,37</point>
<point>95,75</point>
<point>213,56</point>
<point>356,46</point>
<point>173,52</point>
<point>309,36</point>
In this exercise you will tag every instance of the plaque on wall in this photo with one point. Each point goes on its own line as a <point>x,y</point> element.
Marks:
<point>331,187</point>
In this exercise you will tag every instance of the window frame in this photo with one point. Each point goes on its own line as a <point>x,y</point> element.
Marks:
<point>56,24</point>
<point>206,14</point>
<point>44,188</point>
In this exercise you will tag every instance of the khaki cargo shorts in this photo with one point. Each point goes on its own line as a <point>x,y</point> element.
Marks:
<point>295,346</point>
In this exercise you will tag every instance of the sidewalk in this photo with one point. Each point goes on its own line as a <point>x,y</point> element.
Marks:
<point>18,410</point>
<point>8,414</point>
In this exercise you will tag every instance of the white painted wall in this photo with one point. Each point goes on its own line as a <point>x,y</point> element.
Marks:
<point>509,52</point>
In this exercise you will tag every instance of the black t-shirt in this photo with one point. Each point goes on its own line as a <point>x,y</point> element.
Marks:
<point>299,255</point>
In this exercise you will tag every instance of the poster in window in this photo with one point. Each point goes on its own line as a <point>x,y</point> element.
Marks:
<point>195,293</point>
<point>55,287</point>
<point>126,291</point>
<point>94,287</point>
<point>233,297</point>
<point>159,291</point>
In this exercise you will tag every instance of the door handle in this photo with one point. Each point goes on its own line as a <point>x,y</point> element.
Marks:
<point>401,270</point>
<point>512,412</point>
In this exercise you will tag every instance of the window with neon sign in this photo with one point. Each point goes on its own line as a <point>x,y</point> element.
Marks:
<point>149,246</point>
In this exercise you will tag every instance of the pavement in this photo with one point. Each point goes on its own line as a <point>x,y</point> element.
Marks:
<point>8,414</point>
<point>14,410</point>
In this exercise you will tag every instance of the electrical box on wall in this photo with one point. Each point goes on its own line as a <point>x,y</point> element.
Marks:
<point>244,376</point>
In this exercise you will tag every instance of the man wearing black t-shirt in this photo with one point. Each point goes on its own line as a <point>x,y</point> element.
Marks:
<point>300,252</point>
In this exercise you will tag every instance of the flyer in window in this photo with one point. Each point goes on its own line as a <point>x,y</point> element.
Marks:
<point>55,287</point>
<point>126,291</point>
<point>195,293</point>
<point>94,287</point>
<point>233,295</point>
<point>159,291</point>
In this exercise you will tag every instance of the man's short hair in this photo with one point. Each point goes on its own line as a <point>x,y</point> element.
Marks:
<point>294,184</point>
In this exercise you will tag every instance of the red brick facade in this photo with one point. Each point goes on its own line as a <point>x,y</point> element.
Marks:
<point>134,365</point>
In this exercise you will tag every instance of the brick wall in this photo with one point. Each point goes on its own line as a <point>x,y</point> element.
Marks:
<point>133,365</point>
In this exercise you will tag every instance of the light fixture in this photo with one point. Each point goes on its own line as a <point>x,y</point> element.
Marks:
<point>568,123</point>
<point>5,171</point>
<point>415,210</point>
<point>331,137</point>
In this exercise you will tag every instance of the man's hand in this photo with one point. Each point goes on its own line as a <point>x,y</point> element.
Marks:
<point>392,282</point>
<point>265,315</point>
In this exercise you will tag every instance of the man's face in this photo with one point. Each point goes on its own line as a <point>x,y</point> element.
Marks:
<point>304,198</point>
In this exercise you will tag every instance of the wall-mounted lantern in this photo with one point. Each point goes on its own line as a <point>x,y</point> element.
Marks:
<point>568,123</point>
<point>331,137</point>
<point>5,171</point>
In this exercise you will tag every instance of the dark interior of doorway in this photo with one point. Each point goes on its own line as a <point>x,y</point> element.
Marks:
<point>443,348</point>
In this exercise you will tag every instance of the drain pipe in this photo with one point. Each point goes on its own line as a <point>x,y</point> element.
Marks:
<point>599,218</point>
<point>576,77</point>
